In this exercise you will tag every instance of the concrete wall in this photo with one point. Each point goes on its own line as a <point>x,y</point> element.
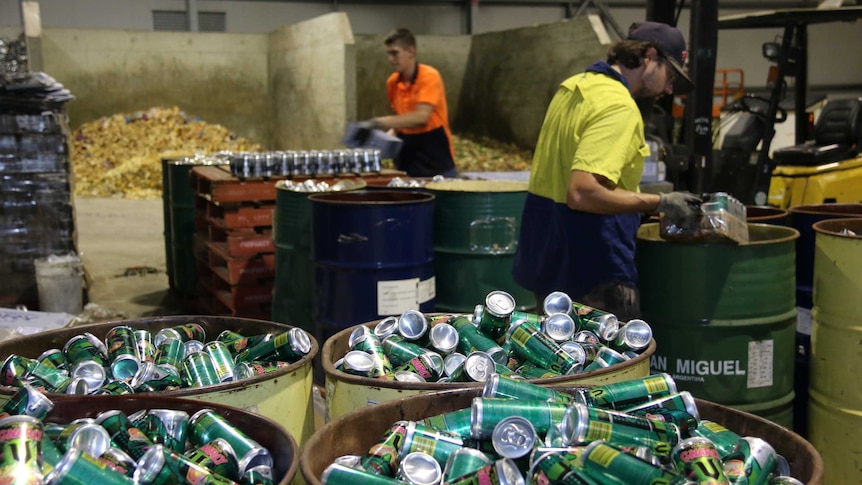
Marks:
<point>218,77</point>
<point>447,53</point>
<point>312,76</point>
<point>512,76</point>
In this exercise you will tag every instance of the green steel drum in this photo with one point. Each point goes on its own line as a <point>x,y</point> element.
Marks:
<point>476,227</point>
<point>292,290</point>
<point>181,199</point>
<point>724,316</point>
<point>166,219</point>
<point>835,396</point>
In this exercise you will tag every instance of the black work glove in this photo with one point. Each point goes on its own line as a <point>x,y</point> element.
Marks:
<point>363,131</point>
<point>680,207</point>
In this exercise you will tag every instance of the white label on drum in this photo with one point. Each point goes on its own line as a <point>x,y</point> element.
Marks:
<point>760,363</point>
<point>395,297</point>
<point>427,290</point>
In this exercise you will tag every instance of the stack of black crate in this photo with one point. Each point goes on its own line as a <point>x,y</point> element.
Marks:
<point>37,218</point>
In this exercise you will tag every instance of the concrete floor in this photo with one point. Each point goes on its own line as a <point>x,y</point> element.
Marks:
<point>123,249</point>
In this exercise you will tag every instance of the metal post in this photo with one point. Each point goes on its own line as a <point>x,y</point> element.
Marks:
<point>31,20</point>
<point>801,86</point>
<point>192,12</point>
<point>703,40</point>
<point>472,17</point>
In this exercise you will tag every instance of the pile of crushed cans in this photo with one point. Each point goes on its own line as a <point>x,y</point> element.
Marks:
<point>640,431</point>
<point>149,447</point>
<point>134,360</point>
<point>569,338</point>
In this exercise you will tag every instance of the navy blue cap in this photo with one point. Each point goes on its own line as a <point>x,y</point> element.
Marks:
<point>670,45</point>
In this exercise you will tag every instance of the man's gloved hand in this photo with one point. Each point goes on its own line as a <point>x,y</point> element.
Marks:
<point>364,129</point>
<point>680,207</point>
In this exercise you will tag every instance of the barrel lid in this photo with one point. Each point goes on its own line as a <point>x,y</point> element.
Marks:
<point>513,437</point>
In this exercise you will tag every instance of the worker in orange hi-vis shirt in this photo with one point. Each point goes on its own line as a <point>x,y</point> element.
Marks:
<point>421,120</point>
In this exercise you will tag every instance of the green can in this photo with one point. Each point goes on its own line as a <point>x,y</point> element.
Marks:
<point>53,358</point>
<point>530,371</point>
<point>50,455</point>
<point>488,412</point>
<point>207,425</point>
<point>144,345</point>
<point>122,352</point>
<point>754,463</point>
<point>492,319</point>
<point>421,365</point>
<point>222,360</point>
<point>236,343</point>
<point>554,469</point>
<point>246,370</point>
<point>471,339</point>
<point>115,388</point>
<point>191,472</point>
<point>168,382</point>
<point>199,370</point>
<point>464,462</point>
<point>582,424</point>
<point>602,460</point>
<point>541,350</point>
<point>501,472</point>
<point>725,440</point>
<point>118,460</point>
<point>124,434</point>
<point>626,394</point>
<point>52,379</point>
<point>383,457</point>
<point>169,427</point>
<point>455,422</point>
<point>370,343</point>
<point>79,468</point>
<point>697,459</point>
<point>682,401</point>
<point>216,456</point>
<point>29,402</point>
<point>85,347</point>
<point>289,346</point>
<point>20,450</point>
<point>506,387</point>
<point>16,369</point>
<point>169,354</point>
<point>532,320</point>
<point>259,475</point>
<point>336,474</point>
<point>683,420</point>
<point>400,351</point>
<point>183,333</point>
<point>606,357</point>
<point>604,324</point>
<point>438,444</point>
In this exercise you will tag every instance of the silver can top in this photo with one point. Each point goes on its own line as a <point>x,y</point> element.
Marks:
<point>418,468</point>
<point>452,362</point>
<point>192,346</point>
<point>350,461</point>
<point>508,472</point>
<point>557,302</point>
<point>444,337</point>
<point>92,438</point>
<point>636,334</point>
<point>586,336</point>
<point>412,325</point>
<point>358,334</point>
<point>358,361</point>
<point>436,361</point>
<point>479,366</point>
<point>77,386</point>
<point>386,327</point>
<point>513,437</point>
<point>92,372</point>
<point>499,303</point>
<point>300,342</point>
<point>559,326</point>
<point>575,350</point>
<point>407,376</point>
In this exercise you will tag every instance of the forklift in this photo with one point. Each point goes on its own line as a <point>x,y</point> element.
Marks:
<point>823,166</point>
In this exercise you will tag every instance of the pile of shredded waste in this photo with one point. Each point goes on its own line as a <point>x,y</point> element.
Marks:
<point>483,154</point>
<point>121,155</point>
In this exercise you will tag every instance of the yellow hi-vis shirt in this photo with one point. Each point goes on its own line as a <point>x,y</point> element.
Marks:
<point>592,124</point>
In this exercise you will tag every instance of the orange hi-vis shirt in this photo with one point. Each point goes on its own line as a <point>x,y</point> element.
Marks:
<point>426,88</point>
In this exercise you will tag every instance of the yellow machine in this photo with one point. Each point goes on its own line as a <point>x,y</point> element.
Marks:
<point>839,182</point>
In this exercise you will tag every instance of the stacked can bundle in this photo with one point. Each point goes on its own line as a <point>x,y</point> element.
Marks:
<point>149,447</point>
<point>636,432</point>
<point>569,338</point>
<point>309,163</point>
<point>312,185</point>
<point>134,360</point>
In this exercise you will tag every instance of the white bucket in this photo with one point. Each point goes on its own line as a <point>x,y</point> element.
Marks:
<point>60,283</point>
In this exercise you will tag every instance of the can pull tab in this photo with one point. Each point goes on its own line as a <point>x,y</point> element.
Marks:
<point>493,235</point>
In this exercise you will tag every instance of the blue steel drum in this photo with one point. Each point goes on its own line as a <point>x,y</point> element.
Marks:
<point>373,256</point>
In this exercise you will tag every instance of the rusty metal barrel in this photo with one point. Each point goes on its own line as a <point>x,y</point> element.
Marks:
<point>268,433</point>
<point>284,396</point>
<point>764,214</point>
<point>347,392</point>
<point>835,396</point>
<point>355,433</point>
